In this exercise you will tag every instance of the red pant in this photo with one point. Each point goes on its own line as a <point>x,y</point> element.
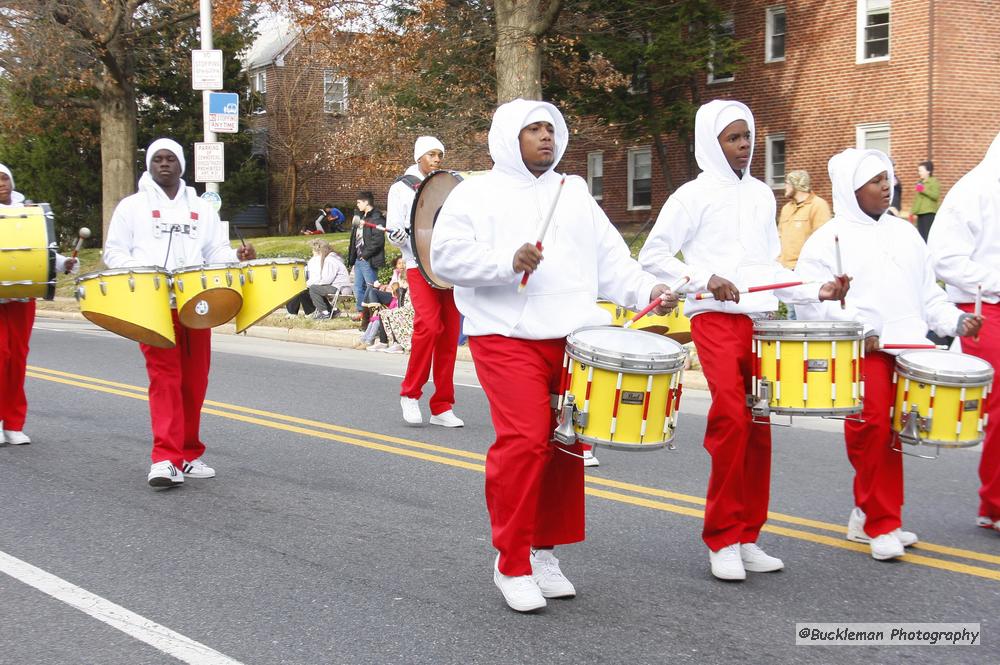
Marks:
<point>740,480</point>
<point>534,493</point>
<point>878,469</point>
<point>178,380</point>
<point>988,348</point>
<point>435,341</point>
<point>16,319</point>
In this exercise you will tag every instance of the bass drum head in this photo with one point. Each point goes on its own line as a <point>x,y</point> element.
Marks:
<point>426,205</point>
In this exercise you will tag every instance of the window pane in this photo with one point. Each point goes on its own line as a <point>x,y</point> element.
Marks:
<point>597,187</point>
<point>877,139</point>
<point>640,173</point>
<point>777,42</point>
<point>778,162</point>
<point>642,165</point>
<point>877,35</point>
<point>642,194</point>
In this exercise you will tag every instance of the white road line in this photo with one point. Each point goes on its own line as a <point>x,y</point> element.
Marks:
<point>116,616</point>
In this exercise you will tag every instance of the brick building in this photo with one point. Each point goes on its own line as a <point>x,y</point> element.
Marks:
<point>914,78</point>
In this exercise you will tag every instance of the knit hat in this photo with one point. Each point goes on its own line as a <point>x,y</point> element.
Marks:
<point>424,145</point>
<point>165,144</point>
<point>799,180</point>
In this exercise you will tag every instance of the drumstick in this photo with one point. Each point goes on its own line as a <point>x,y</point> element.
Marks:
<point>651,306</point>
<point>899,347</point>
<point>754,289</point>
<point>541,236</point>
<point>84,233</point>
<point>239,235</point>
<point>840,266</point>
<point>358,222</point>
<point>978,311</point>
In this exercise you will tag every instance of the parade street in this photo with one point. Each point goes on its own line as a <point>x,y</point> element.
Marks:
<point>334,533</point>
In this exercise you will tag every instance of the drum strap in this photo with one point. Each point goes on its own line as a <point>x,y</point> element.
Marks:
<point>412,181</point>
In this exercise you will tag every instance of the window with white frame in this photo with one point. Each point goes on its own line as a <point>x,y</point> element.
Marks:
<point>774,153</point>
<point>873,136</point>
<point>640,179</point>
<point>334,92</point>
<point>258,86</point>
<point>774,39</point>
<point>595,174</point>
<point>720,71</point>
<point>873,30</point>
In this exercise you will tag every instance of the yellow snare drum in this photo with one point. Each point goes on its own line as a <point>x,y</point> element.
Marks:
<point>810,368</point>
<point>623,388</point>
<point>131,302</point>
<point>674,325</point>
<point>27,252</point>
<point>619,315</point>
<point>940,398</point>
<point>208,295</point>
<point>267,285</point>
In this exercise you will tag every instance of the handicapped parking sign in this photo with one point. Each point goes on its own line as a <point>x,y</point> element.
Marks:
<point>223,112</point>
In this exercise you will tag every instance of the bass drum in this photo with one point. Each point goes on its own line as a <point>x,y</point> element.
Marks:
<point>426,205</point>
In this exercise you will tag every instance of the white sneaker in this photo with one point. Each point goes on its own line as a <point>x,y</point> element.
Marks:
<point>727,563</point>
<point>377,346</point>
<point>164,474</point>
<point>447,419</point>
<point>986,523</point>
<point>856,530</point>
<point>549,578</point>
<point>15,438</point>
<point>411,410</point>
<point>291,316</point>
<point>394,348</point>
<point>521,592</point>
<point>589,459</point>
<point>886,546</point>
<point>757,560</point>
<point>198,469</point>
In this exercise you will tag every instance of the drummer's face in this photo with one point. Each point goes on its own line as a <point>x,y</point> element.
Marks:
<point>5,188</point>
<point>430,161</point>
<point>538,147</point>
<point>165,168</point>
<point>875,195</point>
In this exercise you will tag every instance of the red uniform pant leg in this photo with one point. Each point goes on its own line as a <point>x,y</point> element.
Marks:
<point>878,469</point>
<point>740,479</point>
<point>534,493</point>
<point>16,320</point>
<point>988,348</point>
<point>178,381</point>
<point>435,342</point>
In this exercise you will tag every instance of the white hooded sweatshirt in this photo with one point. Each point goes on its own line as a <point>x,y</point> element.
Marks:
<point>486,219</point>
<point>723,225</point>
<point>893,292</point>
<point>140,230</point>
<point>397,212</point>
<point>965,238</point>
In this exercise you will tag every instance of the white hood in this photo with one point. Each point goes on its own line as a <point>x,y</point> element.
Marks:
<point>843,169</point>
<point>509,119</point>
<point>709,122</point>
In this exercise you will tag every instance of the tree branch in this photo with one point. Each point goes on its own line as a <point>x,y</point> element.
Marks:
<point>546,18</point>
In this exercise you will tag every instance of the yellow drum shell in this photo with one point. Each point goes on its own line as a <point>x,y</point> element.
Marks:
<point>131,302</point>
<point>812,367</point>
<point>674,325</point>
<point>947,392</point>
<point>626,385</point>
<point>27,252</point>
<point>209,295</point>
<point>267,285</point>
<point>619,314</point>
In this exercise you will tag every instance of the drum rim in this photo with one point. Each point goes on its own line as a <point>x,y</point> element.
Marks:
<point>136,270</point>
<point>938,443</point>
<point>617,361</point>
<point>207,266</point>
<point>432,280</point>
<point>807,331</point>
<point>942,377</point>
<point>806,411</point>
<point>637,447</point>
<point>252,263</point>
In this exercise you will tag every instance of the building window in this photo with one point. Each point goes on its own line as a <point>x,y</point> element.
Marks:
<point>258,90</point>
<point>719,70</point>
<point>873,30</point>
<point>874,136</point>
<point>595,174</point>
<point>640,179</point>
<point>774,43</point>
<point>334,92</point>
<point>775,157</point>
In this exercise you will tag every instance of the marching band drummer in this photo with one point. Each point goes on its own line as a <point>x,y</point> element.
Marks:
<point>723,222</point>
<point>534,494</point>
<point>964,243</point>
<point>166,224</point>
<point>17,316</point>
<point>897,299</point>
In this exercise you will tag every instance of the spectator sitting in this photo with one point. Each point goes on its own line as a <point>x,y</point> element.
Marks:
<point>314,272</point>
<point>376,298</point>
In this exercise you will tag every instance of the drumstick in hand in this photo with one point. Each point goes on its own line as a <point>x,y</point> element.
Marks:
<point>541,236</point>
<point>840,266</point>
<point>651,306</point>
<point>358,222</point>
<point>754,289</point>
<point>978,311</point>
<point>84,233</point>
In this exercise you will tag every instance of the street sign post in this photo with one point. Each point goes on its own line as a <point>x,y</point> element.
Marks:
<point>223,112</point>
<point>209,162</point>
<point>206,69</point>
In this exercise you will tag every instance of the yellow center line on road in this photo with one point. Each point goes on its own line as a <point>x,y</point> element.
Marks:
<point>309,428</point>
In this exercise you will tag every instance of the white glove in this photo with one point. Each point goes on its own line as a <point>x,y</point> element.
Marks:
<point>397,236</point>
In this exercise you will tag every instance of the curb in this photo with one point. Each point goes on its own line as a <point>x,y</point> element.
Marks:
<point>344,339</point>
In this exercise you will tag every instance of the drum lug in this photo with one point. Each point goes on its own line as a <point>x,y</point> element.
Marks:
<point>156,282</point>
<point>913,424</point>
<point>229,278</point>
<point>104,288</point>
<point>131,283</point>
<point>179,284</point>
<point>565,432</point>
<point>295,273</point>
<point>249,275</point>
<point>759,404</point>
<point>204,281</point>
<point>274,273</point>
<point>80,293</point>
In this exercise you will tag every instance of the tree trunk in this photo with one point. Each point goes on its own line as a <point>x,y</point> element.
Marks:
<point>292,181</point>
<point>118,115</point>
<point>519,26</point>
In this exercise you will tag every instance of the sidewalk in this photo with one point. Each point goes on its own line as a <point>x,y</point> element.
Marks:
<point>693,378</point>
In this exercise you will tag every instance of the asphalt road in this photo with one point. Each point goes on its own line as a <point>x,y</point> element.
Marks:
<point>335,534</point>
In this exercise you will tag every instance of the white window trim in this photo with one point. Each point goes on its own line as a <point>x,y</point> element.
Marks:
<point>260,76</point>
<point>768,165</point>
<point>590,174</point>
<point>329,74</point>
<point>769,32</point>
<point>731,22</point>
<point>631,176</point>
<point>861,130</point>
<point>862,15</point>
